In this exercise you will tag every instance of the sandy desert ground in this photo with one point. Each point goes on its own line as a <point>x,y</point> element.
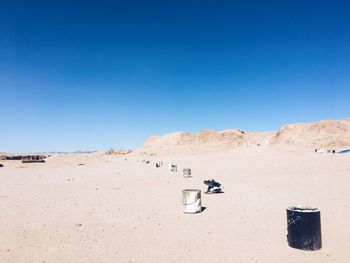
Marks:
<point>112,210</point>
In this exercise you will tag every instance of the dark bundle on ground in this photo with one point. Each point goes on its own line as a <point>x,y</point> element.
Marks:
<point>213,186</point>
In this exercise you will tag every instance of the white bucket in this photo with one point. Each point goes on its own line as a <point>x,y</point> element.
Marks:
<point>173,168</point>
<point>191,200</point>
<point>187,172</point>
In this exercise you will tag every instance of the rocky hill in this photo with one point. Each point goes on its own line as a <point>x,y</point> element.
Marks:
<point>327,133</point>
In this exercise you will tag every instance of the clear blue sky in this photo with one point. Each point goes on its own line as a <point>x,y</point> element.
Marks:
<point>90,75</point>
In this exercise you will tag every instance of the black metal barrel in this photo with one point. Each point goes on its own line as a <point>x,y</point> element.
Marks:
<point>304,228</point>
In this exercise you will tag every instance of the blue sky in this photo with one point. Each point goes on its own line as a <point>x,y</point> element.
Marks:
<point>91,75</point>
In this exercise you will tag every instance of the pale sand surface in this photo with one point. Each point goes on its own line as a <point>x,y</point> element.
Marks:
<point>109,210</point>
